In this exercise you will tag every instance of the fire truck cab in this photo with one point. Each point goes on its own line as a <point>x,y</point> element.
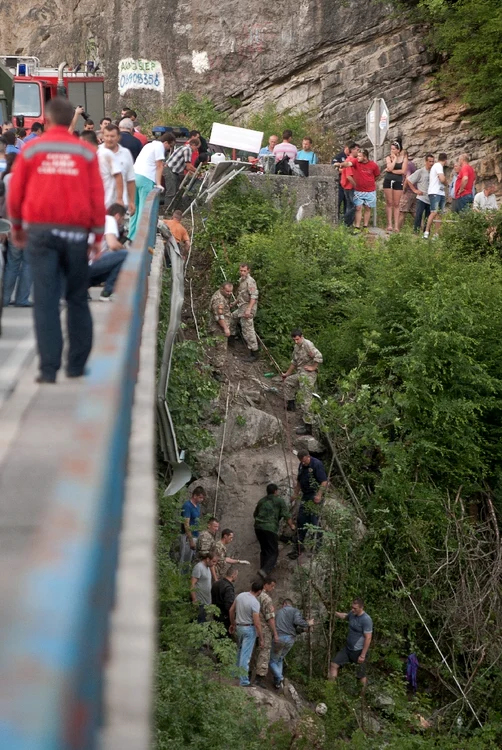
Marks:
<point>35,85</point>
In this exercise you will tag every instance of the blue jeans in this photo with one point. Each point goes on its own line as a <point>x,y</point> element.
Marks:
<point>423,209</point>
<point>278,654</point>
<point>52,260</point>
<point>17,269</point>
<point>246,638</point>
<point>462,203</point>
<point>106,269</point>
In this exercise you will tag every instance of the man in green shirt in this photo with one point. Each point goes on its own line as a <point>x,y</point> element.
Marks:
<point>267,516</point>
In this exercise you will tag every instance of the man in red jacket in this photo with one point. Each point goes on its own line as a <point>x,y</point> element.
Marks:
<point>55,202</point>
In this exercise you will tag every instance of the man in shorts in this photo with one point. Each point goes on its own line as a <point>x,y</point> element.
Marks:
<point>358,642</point>
<point>437,193</point>
<point>365,193</point>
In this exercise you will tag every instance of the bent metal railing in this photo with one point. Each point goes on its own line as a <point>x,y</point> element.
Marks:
<point>53,647</point>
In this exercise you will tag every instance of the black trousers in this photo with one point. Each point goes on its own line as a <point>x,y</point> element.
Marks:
<point>350,209</point>
<point>55,260</point>
<point>269,549</point>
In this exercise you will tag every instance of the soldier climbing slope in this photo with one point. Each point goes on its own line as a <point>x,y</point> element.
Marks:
<point>267,619</point>
<point>247,303</point>
<point>220,326</point>
<point>301,376</point>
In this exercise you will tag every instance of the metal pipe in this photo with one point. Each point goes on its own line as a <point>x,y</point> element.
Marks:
<point>61,67</point>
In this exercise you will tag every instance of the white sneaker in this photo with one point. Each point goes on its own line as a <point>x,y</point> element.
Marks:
<point>426,235</point>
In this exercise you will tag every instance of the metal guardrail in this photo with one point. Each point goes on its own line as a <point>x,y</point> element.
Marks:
<point>169,445</point>
<point>52,655</point>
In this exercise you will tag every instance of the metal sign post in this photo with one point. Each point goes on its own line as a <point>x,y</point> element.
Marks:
<point>377,125</point>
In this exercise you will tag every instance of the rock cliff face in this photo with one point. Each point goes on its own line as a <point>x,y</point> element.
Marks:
<point>329,56</point>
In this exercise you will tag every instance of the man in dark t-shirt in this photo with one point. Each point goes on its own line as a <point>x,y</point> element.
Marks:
<point>127,139</point>
<point>358,642</point>
<point>311,482</point>
<point>267,516</point>
<point>223,595</point>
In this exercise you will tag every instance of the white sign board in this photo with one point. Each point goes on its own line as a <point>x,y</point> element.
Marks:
<point>140,74</point>
<point>377,122</point>
<point>238,138</point>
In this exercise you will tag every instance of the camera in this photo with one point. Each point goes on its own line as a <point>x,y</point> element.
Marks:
<point>84,114</point>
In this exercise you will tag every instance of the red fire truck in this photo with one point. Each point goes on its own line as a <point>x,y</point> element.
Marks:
<point>34,85</point>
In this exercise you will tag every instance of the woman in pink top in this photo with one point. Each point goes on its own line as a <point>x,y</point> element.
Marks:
<point>286,148</point>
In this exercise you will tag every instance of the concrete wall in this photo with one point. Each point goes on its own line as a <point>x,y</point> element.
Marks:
<point>316,195</point>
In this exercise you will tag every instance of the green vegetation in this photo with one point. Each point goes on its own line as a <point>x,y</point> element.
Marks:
<point>412,389</point>
<point>468,35</point>
<point>196,707</point>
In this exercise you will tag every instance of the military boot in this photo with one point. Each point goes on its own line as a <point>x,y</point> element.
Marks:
<point>253,356</point>
<point>231,341</point>
<point>291,406</point>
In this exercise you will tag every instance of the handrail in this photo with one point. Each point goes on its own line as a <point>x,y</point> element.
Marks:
<point>53,646</point>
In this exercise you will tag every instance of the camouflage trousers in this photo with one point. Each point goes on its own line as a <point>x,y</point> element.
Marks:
<point>247,328</point>
<point>261,656</point>
<point>218,353</point>
<point>302,383</point>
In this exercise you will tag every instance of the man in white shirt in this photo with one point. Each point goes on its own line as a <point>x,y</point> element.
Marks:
<point>105,267</point>
<point>111,175</point>
<point>148,169</point>
<point>123,160</point>
<point>286,148</point>
<point>485,200</point>
<point>437,193</point>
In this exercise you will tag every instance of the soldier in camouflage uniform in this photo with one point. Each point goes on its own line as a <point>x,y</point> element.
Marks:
<point>220,550</point>
<point>301,376</point>
<point>269,632</point>
<point>220,325</point>
<point>247,303</point>
<point>206,542</point>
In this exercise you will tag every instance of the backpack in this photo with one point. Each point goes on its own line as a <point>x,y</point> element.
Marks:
<point>283,166</point>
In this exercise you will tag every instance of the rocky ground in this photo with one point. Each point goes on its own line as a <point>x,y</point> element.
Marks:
<point>254,445</point>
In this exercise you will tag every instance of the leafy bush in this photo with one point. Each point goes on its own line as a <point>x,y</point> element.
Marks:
<point>412,388</point>
<point>468,36</point>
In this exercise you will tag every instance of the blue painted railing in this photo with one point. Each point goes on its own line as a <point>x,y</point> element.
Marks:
<point>53,653</point>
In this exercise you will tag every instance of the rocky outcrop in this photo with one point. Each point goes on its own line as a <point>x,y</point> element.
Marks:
<point>323,56</point>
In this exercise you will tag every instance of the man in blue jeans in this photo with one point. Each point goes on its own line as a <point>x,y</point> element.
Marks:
<point>288,621</point>
<point>55,201</point>
<point>245,623</point>
<point>106,266</point>
<point>17,269</point>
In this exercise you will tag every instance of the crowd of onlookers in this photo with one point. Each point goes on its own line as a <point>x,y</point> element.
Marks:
<point>408,188</point>
<point>73,199</point>
<point>130,166</point>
